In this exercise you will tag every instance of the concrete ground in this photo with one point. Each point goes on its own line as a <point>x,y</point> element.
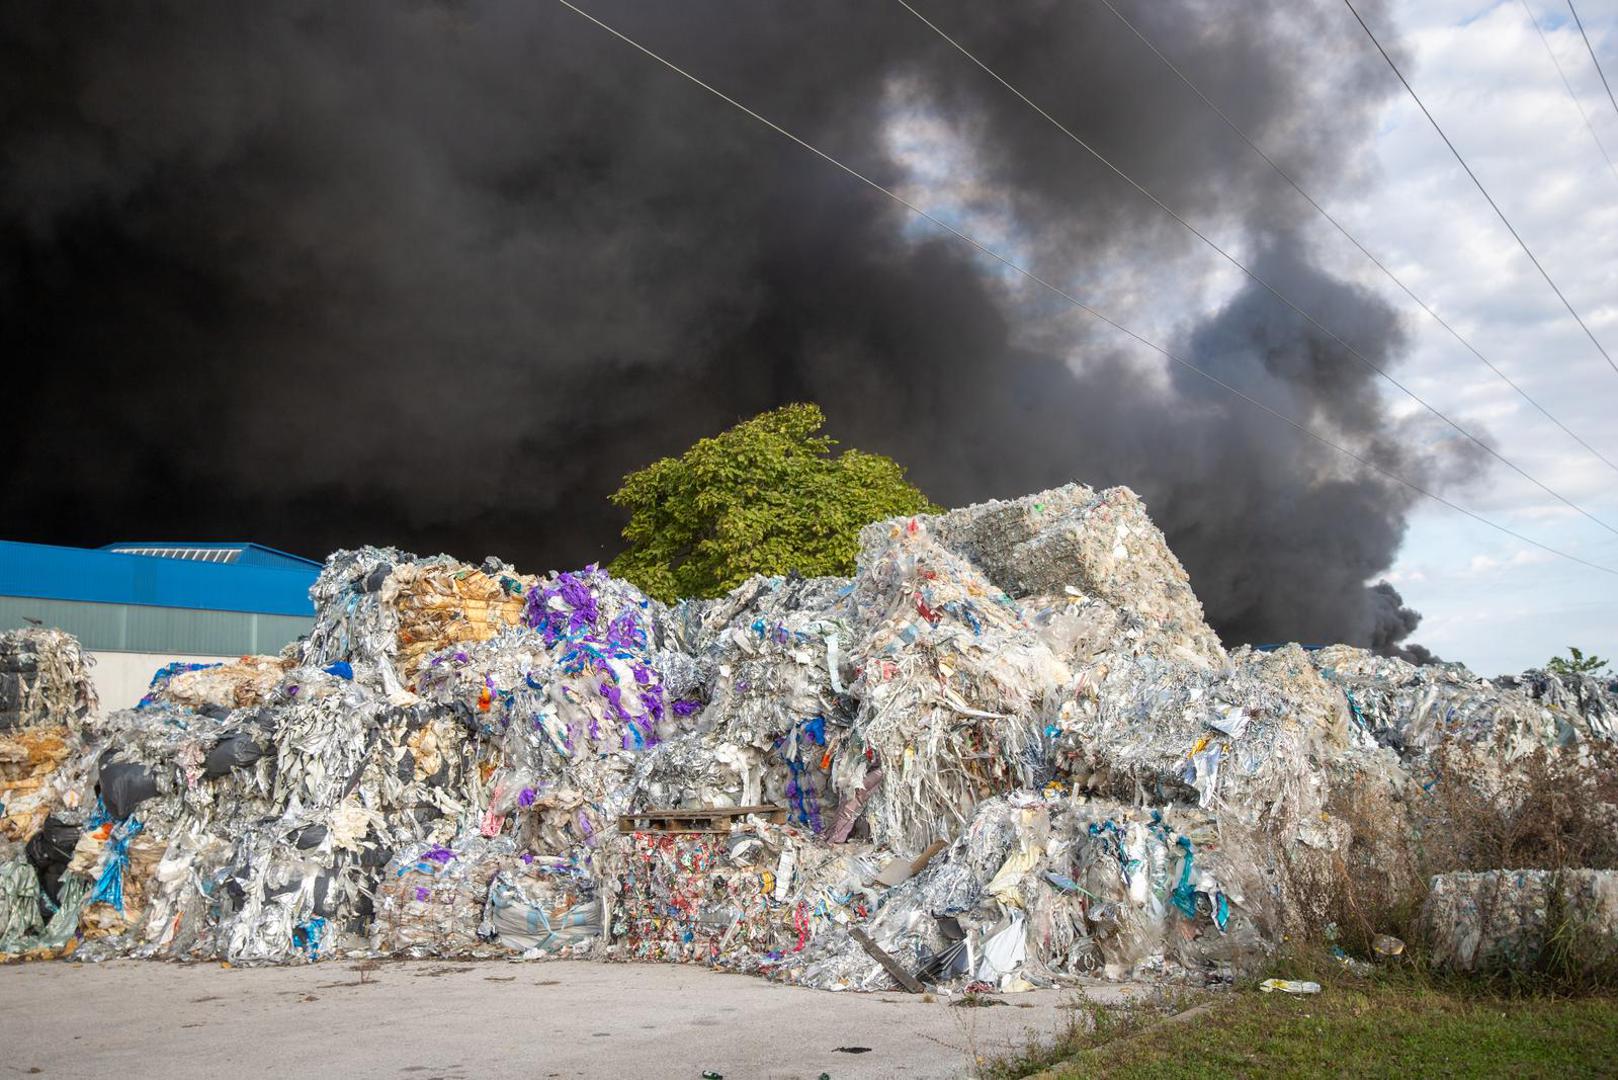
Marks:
<point>425,1019</point>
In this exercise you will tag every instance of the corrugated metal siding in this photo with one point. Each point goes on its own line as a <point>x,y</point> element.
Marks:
<point>137,628</point>
<point>105,577</point>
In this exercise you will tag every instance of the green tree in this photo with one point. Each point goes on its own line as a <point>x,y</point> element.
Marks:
<point>766,497</point>
<point>1575,663</point>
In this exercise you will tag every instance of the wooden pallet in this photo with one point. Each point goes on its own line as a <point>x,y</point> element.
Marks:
<point>697,820</point>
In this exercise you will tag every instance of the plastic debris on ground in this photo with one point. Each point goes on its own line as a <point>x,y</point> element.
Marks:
<point>1289,986</point>
<point>1007,753</point>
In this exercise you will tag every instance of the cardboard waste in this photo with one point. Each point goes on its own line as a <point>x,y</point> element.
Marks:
<point>1008,750</point>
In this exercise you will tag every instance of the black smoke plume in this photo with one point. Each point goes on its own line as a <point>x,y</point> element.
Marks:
<point>439,274</point>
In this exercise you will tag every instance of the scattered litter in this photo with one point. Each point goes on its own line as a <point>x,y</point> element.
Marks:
<point>1387,945</point>
<point>1289,986</point>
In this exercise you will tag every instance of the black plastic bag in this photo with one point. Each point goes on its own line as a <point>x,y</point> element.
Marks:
<point>124,786</point>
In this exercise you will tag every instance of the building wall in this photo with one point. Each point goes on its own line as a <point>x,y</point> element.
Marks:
<point>143,629</point>
<point>129,642</point>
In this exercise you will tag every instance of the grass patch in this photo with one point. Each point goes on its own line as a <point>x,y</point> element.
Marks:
<point>1089,1027</point>
<point>1373,1027</point>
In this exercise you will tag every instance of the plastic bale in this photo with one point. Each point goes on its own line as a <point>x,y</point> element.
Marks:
<point>432,899</point>
<point>1501,920</point>
<point>241,684</point>
<point>20,918</point>
<point>44,679</point>
<point>743,901</point>
<point>1100,544</point>
<point>953,690</point>
<point>29,759</point>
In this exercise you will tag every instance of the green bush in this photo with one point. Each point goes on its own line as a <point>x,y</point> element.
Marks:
<point>766,497</point>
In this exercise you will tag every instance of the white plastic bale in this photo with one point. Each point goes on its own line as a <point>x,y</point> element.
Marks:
<point>953,687</point>
<point>1099,544</point>
<point>1505,919</point>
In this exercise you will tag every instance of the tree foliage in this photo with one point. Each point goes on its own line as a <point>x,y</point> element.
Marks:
<point>1576,663</point>
<point>766,497</point>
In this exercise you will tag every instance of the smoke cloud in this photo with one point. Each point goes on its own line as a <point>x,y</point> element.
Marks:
<point>439,274</point>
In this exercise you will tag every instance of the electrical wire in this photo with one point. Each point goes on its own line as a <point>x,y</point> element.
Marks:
<point>1063,294</point>
<point>1543,40</point>
<point>1238,264</point>
<point>1485,191</point>
<point>1592,50</point>
<point>1378,263</point>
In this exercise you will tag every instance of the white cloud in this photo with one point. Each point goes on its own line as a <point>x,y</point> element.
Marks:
<point>1489,600</point>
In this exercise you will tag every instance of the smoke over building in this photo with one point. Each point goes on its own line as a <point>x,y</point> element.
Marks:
<point>439,274</point>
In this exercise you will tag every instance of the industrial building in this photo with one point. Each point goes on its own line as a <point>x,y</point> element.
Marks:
<point>138,606</point>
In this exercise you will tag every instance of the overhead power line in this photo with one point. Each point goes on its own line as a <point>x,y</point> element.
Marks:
<point>1501,214</point>
<point>1592,50</point>
<point>1577,104</point>
<point>1378,263</point>
<point>1238,264</point>
<point>1056,290</point>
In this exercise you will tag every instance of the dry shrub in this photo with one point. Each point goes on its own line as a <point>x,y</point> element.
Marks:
<point>1548,810</point>
<point>1551,809</point>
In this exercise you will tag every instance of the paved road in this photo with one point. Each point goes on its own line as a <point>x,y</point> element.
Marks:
<point>427,1019</point>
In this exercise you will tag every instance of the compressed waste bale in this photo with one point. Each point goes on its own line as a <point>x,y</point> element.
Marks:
<point>438,608</point>
<point>704,770</point>
<point>188,885</point>
<point>1239,739</point>
<point>25,930</point>
<point>20,917</point>
<point>29,758</point>
<point>432,899</point>
<point>743,900</point>
<point>1592,698</point>
<point>161,679</point>
<point>778,651</point>
<point>44,679</point>
<point>1499,920</point>
<point>1097,543</point>
<point>553,912</point>
<point>240,684</point>
<point>1008,749</point>
<point>117,861</point>
<point>953,691</point>
<point>384,607</point>
<point>1036,888</point>
<point>1415,709</point>
<point>295,902</point>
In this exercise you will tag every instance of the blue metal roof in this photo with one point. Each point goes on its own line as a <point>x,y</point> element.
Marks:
<point>236,552</point>
<point>63,573</point>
